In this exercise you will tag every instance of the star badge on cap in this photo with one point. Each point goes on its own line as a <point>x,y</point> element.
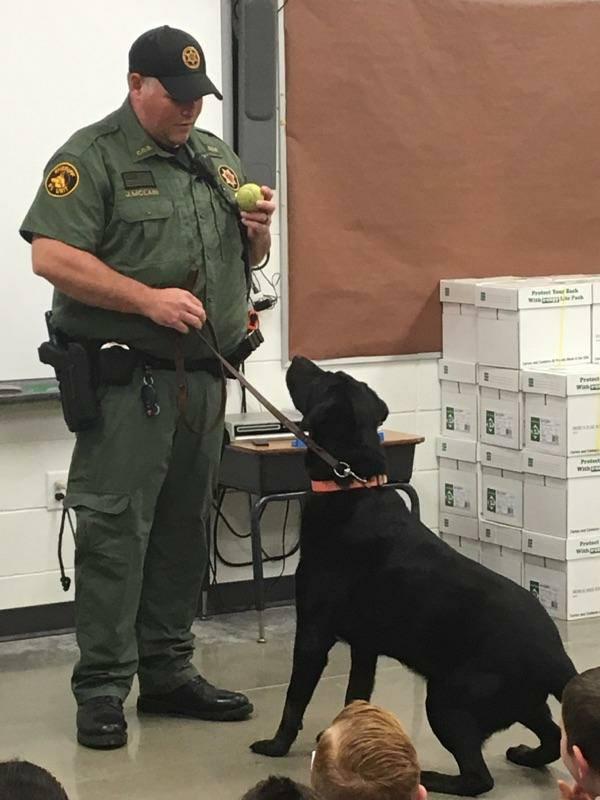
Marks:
<point>191,57</point>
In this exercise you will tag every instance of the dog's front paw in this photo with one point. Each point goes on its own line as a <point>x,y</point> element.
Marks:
<point>271,747</point>
<point>526,756</point>
<point>435,781</point>
<point>463,785</point>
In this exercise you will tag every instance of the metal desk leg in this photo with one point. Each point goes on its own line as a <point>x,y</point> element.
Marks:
<point>257,562</point>
<point>257,565</point>
<point>204,604</point>
<point>407,488</point>
<point>205,580</point>
<point>415,506</point>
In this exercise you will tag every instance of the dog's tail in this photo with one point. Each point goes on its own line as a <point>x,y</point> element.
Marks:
<point>560,673</point>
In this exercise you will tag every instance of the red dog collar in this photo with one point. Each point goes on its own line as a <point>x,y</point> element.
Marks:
<point>332,486</point>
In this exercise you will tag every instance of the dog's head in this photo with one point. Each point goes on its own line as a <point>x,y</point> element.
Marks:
<point>341,414</point>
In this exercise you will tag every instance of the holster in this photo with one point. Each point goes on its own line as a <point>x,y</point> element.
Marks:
<point>247,346</point>
<point>72,365</point>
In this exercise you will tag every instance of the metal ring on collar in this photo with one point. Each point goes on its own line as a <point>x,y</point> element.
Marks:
<point>346,470</point>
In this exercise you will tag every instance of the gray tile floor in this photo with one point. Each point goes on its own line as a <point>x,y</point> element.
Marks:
<point>189,760</point>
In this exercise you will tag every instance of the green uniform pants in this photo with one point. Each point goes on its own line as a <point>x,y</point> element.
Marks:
<point>142,489</point>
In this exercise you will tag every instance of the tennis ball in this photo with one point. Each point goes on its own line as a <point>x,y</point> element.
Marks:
<point>247,196</point>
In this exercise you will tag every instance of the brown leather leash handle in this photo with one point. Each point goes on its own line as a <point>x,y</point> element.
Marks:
<point>340,468</point>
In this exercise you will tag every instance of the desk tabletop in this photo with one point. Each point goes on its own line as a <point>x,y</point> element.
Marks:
<point>278,446</point>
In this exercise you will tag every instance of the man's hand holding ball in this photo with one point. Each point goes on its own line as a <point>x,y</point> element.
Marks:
<point>257,207</point>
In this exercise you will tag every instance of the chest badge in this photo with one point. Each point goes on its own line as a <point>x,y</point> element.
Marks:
<point>62,180</point>
<point>229,177</point>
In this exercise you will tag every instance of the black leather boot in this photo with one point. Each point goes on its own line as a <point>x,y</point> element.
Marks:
<point>199,699</point>
<point>101,723</point>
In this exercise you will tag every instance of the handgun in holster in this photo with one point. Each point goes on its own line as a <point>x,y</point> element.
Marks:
<point>72,364</point>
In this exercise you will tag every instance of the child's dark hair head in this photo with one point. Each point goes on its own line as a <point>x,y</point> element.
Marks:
<point>22,780</point>
<point>581,715</point>
<point>279,788</point>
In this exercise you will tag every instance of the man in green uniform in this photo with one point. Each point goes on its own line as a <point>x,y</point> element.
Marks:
<point>135,225</point>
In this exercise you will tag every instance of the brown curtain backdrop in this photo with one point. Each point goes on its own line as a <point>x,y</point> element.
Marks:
<point>432,139</point>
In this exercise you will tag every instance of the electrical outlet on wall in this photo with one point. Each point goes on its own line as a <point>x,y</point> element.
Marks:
<point>56,483</point>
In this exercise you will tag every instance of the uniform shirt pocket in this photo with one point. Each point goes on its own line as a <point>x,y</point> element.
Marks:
<point>150,217</point>
<point>143,240</point>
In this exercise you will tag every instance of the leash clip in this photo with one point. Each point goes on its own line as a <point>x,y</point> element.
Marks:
<point>347,472</point>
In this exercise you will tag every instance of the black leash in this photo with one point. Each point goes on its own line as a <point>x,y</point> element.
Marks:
<point>341,469</point>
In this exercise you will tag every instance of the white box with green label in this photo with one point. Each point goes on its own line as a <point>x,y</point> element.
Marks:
<point>563,573</point>
<point>457,476</point>
<point>500,407</point>
<point>459,399</point>
<point>470,548</point>
<point>455,525</point>
<point>501,485</point>
<point>459,317</point>
<point>561,496</point>
<point>562,410</point>
<point>533,323</point>
<point>501,549</point>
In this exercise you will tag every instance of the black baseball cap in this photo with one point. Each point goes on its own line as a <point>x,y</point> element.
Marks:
<point>176,59</point>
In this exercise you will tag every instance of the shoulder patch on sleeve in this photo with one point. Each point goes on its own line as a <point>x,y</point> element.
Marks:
<point>62,179</point>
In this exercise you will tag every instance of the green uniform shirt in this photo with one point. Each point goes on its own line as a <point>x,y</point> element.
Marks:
<point>112,191</point>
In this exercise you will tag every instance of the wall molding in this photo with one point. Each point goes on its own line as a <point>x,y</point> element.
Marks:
<point>56,618</point>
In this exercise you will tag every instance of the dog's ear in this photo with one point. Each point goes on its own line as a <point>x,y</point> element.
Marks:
<point>381,409</point>
<point>367,405</point>
<point>318,414</point>
<point>300,376</point>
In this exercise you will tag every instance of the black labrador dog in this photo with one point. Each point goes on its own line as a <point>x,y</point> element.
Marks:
<point>375,577</point>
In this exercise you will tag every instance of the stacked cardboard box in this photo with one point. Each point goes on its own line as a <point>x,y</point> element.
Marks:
<point>457,447</point>
<point>561,462</point>
<point>459,493</point>
<point>517,356</point>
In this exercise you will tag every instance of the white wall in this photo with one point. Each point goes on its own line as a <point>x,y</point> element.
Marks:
<point>72,58</point>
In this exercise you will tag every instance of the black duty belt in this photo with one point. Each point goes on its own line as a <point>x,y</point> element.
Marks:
<point>190,365</point>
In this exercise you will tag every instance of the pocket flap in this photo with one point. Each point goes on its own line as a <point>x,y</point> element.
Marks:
<point>149,208</point>
<point>106,503</point>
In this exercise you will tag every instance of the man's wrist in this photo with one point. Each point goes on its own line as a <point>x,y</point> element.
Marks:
<point>142,298</point>
<point>260,248</point>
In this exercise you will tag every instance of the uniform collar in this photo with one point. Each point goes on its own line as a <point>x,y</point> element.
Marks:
<point>141,144</point>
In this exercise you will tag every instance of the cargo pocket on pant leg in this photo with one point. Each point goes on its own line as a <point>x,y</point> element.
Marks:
<point>108,558</point>
<point>107,586</point>
<point>105,503</point>
<point>98,527</point>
